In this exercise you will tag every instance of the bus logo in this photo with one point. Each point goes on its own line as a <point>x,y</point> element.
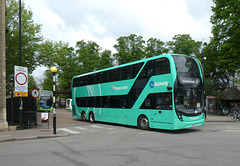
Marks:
<point>152,84</point>
<point>113,88</point>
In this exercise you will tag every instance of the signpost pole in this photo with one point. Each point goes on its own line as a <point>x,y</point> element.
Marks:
<point>21,88</point>
<point>54,70</point>
<point>20,61</point>
<point>20,113</point>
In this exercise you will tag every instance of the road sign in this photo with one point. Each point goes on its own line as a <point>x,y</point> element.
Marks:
<point>35,93</point>
<point>21,94</point>
<point>21,81</point>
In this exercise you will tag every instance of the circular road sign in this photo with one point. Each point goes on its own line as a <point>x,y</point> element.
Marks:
<point>21,78</point>
<point>35,93</point>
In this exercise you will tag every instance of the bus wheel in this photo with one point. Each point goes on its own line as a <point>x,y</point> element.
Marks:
<point>143,123</point>
<point>91,117</point>
<point>83,116</point>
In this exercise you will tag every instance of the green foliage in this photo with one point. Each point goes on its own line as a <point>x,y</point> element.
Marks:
<point>226,25</point>
<point>155,47</point>
<point>31,39</point>
<point>47,83</point>
<point>88,56</point>
<point>129,49</point>
<point>62,56</point>
<point>106,59</point>
<point>71,62</point>
<point>210,87</point>
<point>67,68</point>
<point>213,70</point>
<point>48,51</point>
<point>184,44</point>
<point>31,83</point>
<point>223,52</point>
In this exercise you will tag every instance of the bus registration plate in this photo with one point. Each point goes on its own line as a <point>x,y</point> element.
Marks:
<point>194,125</point>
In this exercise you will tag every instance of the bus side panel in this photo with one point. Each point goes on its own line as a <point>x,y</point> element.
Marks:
<point>105,89</point>
<point>158,120</point>
<point>75,112</point>
<point>161,125</point>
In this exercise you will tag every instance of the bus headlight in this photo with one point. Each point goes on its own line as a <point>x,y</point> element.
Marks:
<point>180,117</point>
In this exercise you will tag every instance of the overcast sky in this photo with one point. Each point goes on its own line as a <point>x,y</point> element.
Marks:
<point>103,21</point>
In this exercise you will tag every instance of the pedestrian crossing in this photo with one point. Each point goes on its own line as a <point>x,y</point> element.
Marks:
<point>69,131</point>
<point>94,128</point>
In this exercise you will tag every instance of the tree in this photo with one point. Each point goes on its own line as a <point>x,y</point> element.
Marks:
<point>129,49</point>
<point>47,83</point>
<point>31,83</point>
<point>105,59</point>
<point>226,40</point>
<point>62,56</point>
<point>155,47</point>
<point>31,38</point>
<point>184,44</point>
<point>213,69</point>
<point>88,56</point>
<point>70,62</point>
<point>67,64</point>
<point>210,87</point>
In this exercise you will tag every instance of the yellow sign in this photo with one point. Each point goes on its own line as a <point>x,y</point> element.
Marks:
<point>21,94</point>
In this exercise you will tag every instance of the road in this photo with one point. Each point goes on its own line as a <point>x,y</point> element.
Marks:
<point>102,144</point>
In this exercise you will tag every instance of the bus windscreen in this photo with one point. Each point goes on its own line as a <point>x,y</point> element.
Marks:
<point>188,87</point>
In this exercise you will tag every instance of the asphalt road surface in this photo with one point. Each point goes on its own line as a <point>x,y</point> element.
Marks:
<point>103,144</point>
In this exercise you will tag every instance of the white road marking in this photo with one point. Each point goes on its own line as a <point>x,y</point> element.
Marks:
<point>94,126</point>
<point>81,128</point>
<point>69,131</point>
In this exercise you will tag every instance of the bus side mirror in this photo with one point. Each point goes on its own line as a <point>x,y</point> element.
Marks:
<point>169,87</point>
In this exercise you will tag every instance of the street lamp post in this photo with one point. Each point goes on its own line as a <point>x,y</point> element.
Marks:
<point>54,70</point>
<point>202,56</point>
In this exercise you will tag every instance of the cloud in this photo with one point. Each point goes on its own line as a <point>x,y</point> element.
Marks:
<point>106,20</point>
<point>101,18</point>
<point>200,10</point>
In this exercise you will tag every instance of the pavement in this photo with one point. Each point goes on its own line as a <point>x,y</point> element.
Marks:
<point>63,118</point>
<point>42,130</point>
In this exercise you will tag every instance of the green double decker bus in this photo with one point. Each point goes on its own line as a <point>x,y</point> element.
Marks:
<point>162,92</point>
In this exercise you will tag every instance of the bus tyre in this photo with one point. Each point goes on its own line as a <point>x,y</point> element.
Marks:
<point>143,122</point>
<point>91,117</point>
<point>83,116</point>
